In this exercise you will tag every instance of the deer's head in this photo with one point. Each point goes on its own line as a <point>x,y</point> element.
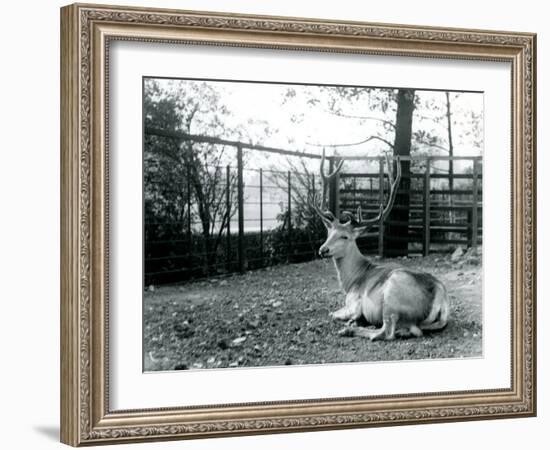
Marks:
<point>340,238</point>
<point>341,234</point>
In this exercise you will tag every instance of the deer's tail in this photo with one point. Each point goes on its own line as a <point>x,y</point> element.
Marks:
<point>439,315</point>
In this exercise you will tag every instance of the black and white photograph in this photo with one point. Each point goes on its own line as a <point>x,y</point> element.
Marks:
<point>242,225</point>
<point>291,224</point>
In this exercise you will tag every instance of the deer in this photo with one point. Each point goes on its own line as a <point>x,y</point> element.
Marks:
<point>398,301</point>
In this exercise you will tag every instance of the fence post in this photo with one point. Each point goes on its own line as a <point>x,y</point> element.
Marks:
<point>313,200</point>
<point>426,240</point>
<point>381,200</point>
<point>240,195</point>
<point>452,214</point>
<point>336,188</point>
<point>289,235</point>
<point>228,209</point>
<point>189,236</point>
<point>261,218</point>
<point>355,193</point>
<point>473,244</point>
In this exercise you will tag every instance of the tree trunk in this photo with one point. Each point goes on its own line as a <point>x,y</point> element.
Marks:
<point>448,114</point>
<point>203,208</point>
<point>396,241</point>
<point>451,153</point>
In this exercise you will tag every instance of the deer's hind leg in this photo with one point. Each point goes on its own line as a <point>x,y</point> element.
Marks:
<point>387,331</point>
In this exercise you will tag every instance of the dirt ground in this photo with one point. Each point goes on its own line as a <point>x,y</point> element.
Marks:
<point>280,316</point>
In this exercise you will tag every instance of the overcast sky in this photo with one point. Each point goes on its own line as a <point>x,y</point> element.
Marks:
<point>296,125</point>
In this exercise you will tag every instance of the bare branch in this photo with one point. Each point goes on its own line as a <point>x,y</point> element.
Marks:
<point>431,144</point>
<point>351,116</point>
<point>364,141</point>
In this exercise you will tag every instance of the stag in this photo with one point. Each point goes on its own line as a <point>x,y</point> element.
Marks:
<point>398,301</point>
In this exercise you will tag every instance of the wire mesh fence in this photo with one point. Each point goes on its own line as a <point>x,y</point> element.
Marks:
<point>265,220</point>
<point>206,220</point>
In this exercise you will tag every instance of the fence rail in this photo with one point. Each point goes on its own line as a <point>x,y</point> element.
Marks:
<point>437,214</point>
<point>269,220</point>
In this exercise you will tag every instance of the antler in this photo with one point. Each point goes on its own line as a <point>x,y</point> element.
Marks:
<point>384,211</point>
<point>320,209</point>
<point>328,216</point>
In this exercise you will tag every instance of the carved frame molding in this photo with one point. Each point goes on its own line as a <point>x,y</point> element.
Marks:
<point>86,31</point>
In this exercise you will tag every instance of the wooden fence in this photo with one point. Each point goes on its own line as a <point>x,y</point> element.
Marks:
<point>444,209</point>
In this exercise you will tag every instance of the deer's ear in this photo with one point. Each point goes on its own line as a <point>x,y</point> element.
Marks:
<point>359,231</point>
<point>326,222</point>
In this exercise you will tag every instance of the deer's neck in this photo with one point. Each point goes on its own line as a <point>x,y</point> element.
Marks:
<point>352,269</point>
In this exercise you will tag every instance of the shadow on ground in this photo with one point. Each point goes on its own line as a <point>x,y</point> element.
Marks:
<point>50,432</point>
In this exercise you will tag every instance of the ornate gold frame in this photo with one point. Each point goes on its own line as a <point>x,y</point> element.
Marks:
<point>86,31</point>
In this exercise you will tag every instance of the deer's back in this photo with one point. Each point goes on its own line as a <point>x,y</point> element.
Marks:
<point>405,290</point>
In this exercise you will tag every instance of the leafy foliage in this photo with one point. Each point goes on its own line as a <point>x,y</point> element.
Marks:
<point>186,183</point>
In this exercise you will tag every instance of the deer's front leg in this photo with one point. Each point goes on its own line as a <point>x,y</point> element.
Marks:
<point>344,313</point>
<point>350,312</point>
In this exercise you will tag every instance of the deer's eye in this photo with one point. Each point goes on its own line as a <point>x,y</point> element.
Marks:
<point>343,237</point>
